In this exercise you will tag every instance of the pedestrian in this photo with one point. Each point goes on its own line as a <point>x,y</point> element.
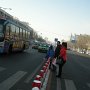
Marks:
<point>56,55</point>
<point>62,57</point>
<point>57,49</point>
<point>50,54</point>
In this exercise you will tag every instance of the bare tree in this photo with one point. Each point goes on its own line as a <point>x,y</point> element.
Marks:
<point>82,42</point>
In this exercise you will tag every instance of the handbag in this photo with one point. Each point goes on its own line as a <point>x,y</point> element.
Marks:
<point>59,61</point>
<point>54,62</point>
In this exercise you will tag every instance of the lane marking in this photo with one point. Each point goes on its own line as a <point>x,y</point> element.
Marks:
<point>33,73</point>
<point>70,85</point>
<point>1,69</point>
<point>88,85</point>
<point>58,84</point>
<point>8,83</point>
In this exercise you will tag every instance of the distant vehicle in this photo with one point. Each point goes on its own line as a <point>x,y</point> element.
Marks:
<point>14,35</point>
<point>43,48</point>
<point>88,52</point>
<point>68,48</point>
<point>35,45</point>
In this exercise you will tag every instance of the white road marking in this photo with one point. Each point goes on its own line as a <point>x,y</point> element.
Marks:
<point>1,69</point>
<point>88,84</point>
<point>8,83</point>
<point>58,84</point>
<point>70,85</point>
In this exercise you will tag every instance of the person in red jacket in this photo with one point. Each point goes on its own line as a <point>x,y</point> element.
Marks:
<point>63,57</point>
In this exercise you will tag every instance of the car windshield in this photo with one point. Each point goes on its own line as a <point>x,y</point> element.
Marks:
<point>43,45</point>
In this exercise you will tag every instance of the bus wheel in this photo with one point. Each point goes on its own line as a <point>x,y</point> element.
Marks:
<point>10,49</point>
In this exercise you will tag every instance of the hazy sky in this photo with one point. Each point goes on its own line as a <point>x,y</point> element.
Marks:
<point>52,18</point>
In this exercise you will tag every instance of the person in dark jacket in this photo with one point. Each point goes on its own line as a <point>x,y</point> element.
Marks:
<point>63,57</point>
<point>57,50</point>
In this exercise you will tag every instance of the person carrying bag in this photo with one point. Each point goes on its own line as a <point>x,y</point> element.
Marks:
<point>61,60</point>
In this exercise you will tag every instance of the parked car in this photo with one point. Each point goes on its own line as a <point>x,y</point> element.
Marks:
<point>43,48</point>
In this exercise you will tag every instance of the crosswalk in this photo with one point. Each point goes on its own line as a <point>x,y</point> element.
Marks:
<point>58,84</point>
<point>88,84</point>
<point>1,69</point>
<point>12,80</point>
<point>9,82</point>
<point>69,85</point>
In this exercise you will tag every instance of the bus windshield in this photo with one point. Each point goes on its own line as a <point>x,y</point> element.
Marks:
<point>1,33</point>
<point>1,28</point>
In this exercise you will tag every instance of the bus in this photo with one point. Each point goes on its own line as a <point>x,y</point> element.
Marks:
<point>14,35</point>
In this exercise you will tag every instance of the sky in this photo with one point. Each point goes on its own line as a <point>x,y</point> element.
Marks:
<point>52,18</point>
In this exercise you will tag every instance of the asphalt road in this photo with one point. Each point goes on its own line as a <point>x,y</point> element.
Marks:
<point>75,75</point>
<point>18,70</point>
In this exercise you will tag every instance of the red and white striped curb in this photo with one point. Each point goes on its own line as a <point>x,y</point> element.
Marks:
<point>41,80</point>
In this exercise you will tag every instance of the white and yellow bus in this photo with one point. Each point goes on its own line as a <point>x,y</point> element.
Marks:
<point>14,35</point>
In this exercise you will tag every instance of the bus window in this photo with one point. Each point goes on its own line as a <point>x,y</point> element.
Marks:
<point>17,31</point>
<point>1,28</point>
<point>7,31</point>
<point>23,33</point>
<point>20,33</point>
<point>26,34</point>
<point>1,33</point>
<point>12,30</point>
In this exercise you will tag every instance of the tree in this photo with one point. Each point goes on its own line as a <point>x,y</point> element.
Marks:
<point>82,42</point>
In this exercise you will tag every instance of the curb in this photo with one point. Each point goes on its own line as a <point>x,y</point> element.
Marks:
<point>46,81</point>
<point>41,80</point>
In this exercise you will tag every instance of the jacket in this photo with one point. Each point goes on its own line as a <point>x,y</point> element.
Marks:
<point>50,53</point>
<point>57,51</point>
<point>63,53</point>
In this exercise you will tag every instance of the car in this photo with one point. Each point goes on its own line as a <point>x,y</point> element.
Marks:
<point>43,48</point>
<point>35,45</point>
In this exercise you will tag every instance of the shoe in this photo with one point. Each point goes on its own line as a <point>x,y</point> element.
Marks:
<point>58,76</point>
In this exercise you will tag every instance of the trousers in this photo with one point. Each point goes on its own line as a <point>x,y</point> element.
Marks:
<point>59,71</point>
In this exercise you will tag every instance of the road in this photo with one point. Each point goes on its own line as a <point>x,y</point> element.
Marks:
<point>75,75</point>
<point>18,70</point>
